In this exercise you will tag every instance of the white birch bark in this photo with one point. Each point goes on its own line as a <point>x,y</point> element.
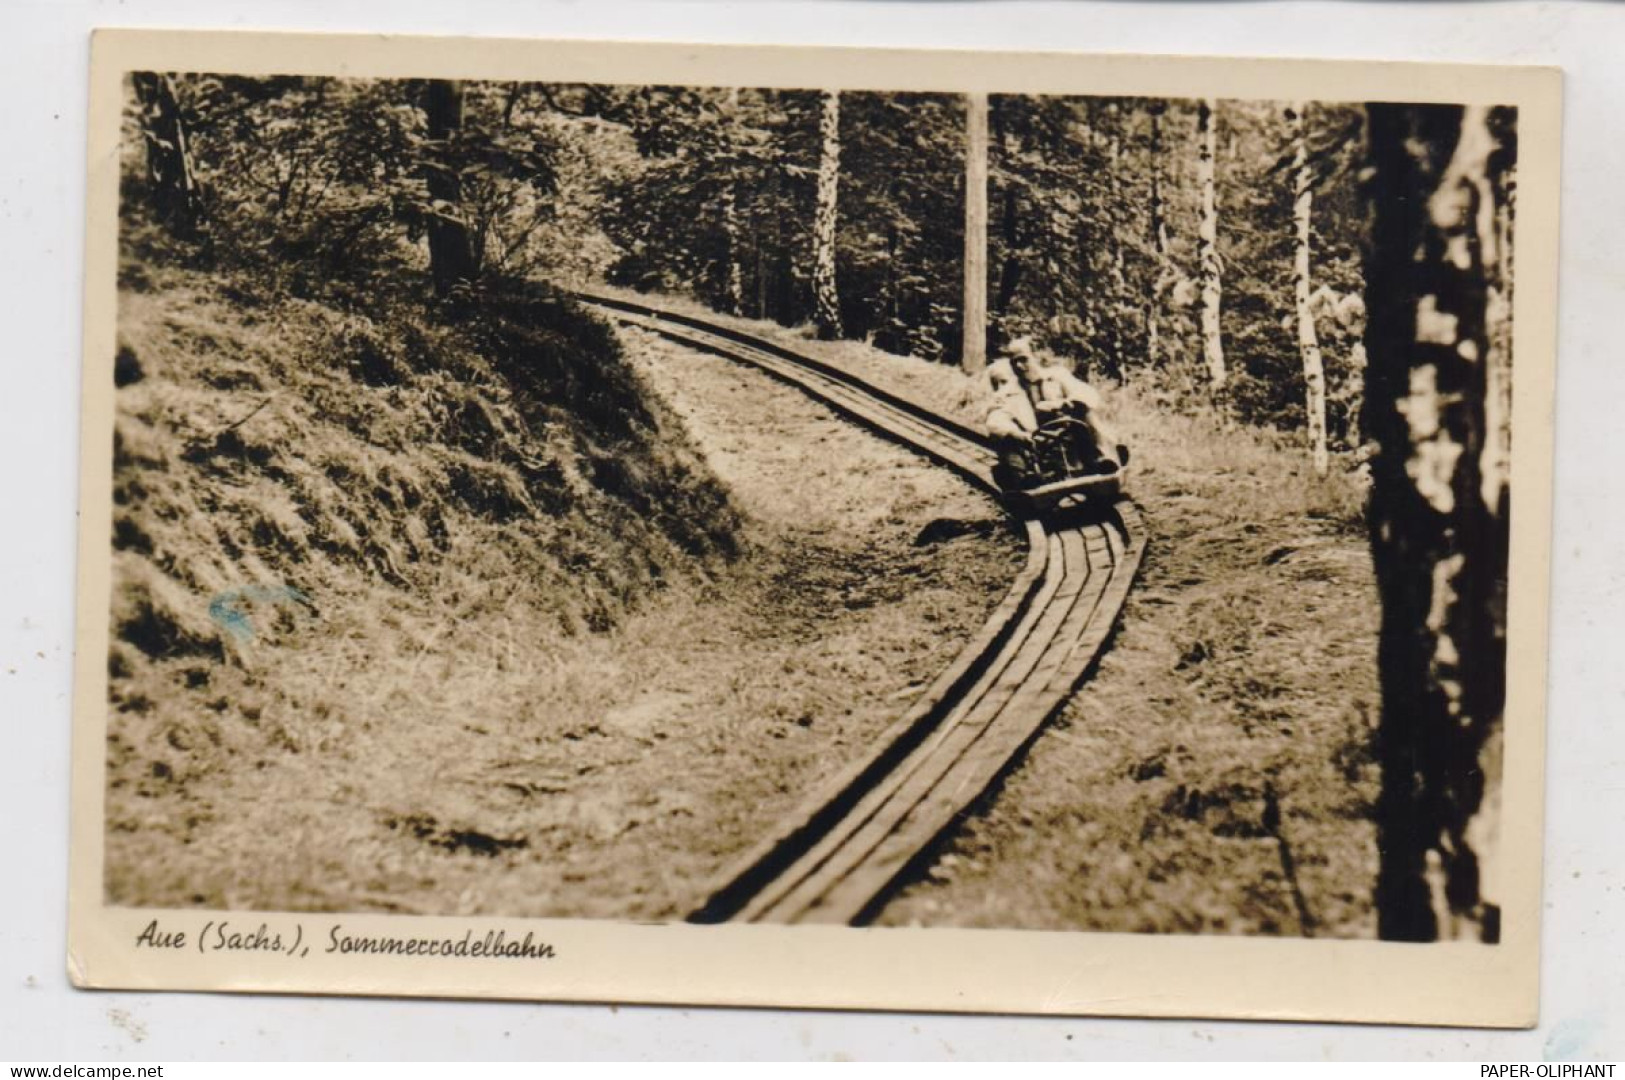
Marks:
<point>1314,371</point>
<point>1498,373</point>
<point>826,301</point>
<point>1207,244</point>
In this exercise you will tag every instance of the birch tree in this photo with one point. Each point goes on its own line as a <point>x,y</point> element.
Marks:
<point>826,301</point>
<point>1440,545</point>
<point>1314,372</point>
<point>1208,266</point>
<point>1498,393</point>
<point>171,176</point>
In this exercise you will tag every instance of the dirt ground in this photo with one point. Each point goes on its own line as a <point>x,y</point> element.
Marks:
<point>455,754</point>
<point>1215,774</point>
<point>609,775</point>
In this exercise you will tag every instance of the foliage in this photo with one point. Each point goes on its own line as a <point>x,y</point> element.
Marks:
<point>696,151</point>
<point>710,191</point>
<point>1092,230</point>
<point>1256,246</point>
<point>317,181</point>
<point>308,370</point>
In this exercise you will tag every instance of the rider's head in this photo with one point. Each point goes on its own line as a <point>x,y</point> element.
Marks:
<point>1022,358</point>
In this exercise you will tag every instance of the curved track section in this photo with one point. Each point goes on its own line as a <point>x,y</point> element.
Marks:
<point>843,854</point>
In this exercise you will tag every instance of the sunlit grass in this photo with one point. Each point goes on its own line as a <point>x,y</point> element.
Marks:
<point>492,696</point>
<point>1243,678</point>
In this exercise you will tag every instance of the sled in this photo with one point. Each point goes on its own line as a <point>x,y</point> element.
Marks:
<point>1060,472</point>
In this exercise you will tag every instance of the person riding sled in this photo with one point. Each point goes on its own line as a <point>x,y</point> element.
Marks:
<point>1028,395</point>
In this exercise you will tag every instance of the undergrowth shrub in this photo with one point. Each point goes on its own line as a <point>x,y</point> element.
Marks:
<point>338,451</point>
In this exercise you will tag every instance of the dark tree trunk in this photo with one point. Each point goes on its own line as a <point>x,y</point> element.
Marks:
<point>780,300</point>
<point>1159,241</point>
<point>1010,269</point>
<point>176,197</point>
<point>730,215</point>
<point>1439,530</point>
<point>451,254</point>
<point>761,269</point>
<point>1121,303</point>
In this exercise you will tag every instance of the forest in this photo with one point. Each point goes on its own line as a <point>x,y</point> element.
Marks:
<point>1334,276</point>
<point>1196,248</point>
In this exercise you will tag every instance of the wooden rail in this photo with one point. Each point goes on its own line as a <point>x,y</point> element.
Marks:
<point>844,853</point>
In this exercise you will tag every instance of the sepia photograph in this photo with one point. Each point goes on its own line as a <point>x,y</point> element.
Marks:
<point>696,501</point>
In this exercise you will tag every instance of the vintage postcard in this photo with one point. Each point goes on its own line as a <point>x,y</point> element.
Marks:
<point>814,527</point>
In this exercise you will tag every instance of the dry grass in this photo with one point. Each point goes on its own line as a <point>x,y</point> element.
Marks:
<point>1215,774</point>
<point>467,657</point>
<point>304,495</point>
<point>526,702</point>
<point>940,387</point>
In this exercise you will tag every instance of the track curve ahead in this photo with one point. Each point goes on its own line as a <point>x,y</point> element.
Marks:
<point>843,854</point>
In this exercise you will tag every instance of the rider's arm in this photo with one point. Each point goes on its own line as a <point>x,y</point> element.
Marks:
<point>1002,425</point>
<point>1082,392</point>
<point>1095,416</point>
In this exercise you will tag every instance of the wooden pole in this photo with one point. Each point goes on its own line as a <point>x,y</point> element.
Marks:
<point>974,352</point>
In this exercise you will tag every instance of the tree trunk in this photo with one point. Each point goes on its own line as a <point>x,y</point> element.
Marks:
<point>761,268</point>
<point>896,336</point>
<point>730,217</point>
<point>1440,546</point>
<point>451,253</point>
<point>826,301</point>
<point>1010,268</point>
<point>973,353</point>
<point>1207,243</point>
<point>1498,266</point>
<point>1118,268</point>
<point>1159,242</point>
<point>1314,372</point>
<point>783,304</point>
<point>176,196</point>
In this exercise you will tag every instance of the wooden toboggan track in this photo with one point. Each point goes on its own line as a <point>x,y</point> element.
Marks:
<point>840,857</point>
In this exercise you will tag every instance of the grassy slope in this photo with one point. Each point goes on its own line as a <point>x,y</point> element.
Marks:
<point>425,726</point>
<point>935,386</point>
<point>324,522</point>
<point>431,728</point>
<point>1215,774</point>
<point>868,569</point>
